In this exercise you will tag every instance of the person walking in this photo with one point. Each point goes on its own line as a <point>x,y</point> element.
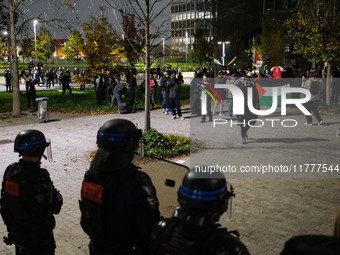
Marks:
<point>314,85</point>
<point>65,81</point>
<point>153,91</point>
<point>30,91</point>
<point>8,78</point>
<point>204,97</point>
<point>163,82</point>
<point>248,119</point>
<point>133,87</point>
<point>174,91</point>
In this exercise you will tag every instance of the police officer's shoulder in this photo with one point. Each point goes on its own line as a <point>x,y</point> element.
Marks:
<point>164,227</point>
<point>145,182</point>
<point>12,165</point>
<point>230,243</point>
<point>44,173</point>
<point>142,177</point>
<point>12,169</point>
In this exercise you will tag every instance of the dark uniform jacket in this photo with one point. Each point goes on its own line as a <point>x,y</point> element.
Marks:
<point>30,88</point>
<point>176,237</point>
<point>175,88</point>
<point>28,202</point>
<point>119,209</point>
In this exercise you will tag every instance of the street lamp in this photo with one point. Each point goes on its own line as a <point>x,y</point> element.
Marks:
<point>186,47</point>
<point>163,48</point>
<point>35,39</point>
<point>9,54</point>
<point>223,50</point>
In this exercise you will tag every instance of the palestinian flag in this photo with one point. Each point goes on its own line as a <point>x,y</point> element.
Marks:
<point>265,88</point>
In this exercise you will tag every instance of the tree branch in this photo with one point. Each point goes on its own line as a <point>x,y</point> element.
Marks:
<point>156,16</point>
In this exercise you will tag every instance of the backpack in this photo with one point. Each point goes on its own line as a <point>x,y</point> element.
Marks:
<point>123,108</point>
<point>314,88</point>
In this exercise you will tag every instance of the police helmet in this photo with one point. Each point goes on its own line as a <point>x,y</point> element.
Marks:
<point>119,134</point>
<point>31,143</point>
<point>209,192</point>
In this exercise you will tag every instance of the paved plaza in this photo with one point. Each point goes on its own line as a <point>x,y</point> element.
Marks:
<point>73,141</point>
<point>267,210</point>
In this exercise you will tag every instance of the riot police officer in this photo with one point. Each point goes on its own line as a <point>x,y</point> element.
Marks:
<point>119,206</point>
<point>29,199</point>
<point>192,230</point>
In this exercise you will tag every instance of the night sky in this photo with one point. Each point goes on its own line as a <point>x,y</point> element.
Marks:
<point>85,9</point>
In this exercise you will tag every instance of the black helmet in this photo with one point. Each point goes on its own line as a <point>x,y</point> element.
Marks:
<point>205,191</point>
<point>30,142</point>
<point>119,134</point>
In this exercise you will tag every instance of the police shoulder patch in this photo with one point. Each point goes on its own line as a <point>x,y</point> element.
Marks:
<point>12,188</point>
<point>93,192</point>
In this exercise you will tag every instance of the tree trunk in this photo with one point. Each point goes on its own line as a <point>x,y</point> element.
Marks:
<point>328,83</point>
<point>147,124</point>
<point>16,109</point>
<point>215,34</point>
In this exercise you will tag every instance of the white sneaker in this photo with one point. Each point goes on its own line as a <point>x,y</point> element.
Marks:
<point>166,113</point>
<point>174,117</point>
<point>320,123</point>
<point>182,118</point>
<point>308,124</point>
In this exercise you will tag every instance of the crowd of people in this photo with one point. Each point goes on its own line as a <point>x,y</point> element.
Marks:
<point>49,77</point>
<point>200,99</point>
<point>165,86</point>
<point>166,89</point>
<point>312,80</point>
<point>306,74</point>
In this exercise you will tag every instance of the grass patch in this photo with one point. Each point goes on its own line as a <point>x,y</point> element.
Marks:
<point>4,117</point>
<point>331,110</point>
<point>80,102</point>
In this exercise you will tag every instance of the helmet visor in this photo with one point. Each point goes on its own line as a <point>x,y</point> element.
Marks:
<point>49,150</point>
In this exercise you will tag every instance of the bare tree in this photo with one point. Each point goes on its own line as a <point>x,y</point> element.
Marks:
<point>18,20</point>
<point>148,13</point>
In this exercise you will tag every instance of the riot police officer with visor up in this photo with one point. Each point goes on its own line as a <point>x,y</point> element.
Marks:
<point>28,197</point>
